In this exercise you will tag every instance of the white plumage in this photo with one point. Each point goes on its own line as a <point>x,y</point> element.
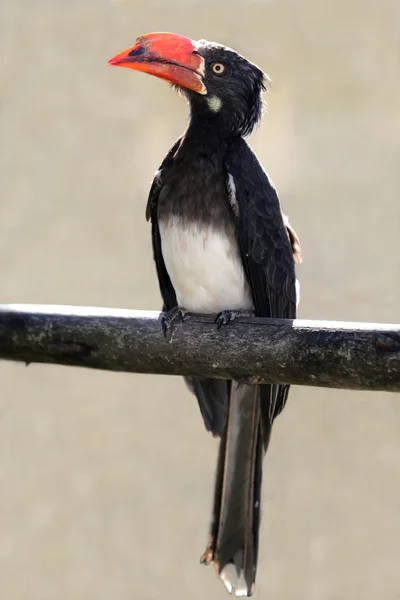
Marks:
<point>204,266</point>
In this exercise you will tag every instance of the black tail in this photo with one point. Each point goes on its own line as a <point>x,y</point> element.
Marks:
<point>233,546</point>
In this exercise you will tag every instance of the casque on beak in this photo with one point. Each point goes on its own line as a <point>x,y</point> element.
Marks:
<point>168,56</point>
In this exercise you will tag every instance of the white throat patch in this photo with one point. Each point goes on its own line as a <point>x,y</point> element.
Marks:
<point>214,103</point>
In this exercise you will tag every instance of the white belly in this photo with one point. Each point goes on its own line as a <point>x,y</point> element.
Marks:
<point>204,267</point>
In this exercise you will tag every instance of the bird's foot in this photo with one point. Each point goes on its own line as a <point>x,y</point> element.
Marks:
<point>227,316</point>
<point>169,318</point>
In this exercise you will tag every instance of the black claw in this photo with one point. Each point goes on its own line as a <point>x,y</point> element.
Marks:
<point>227,316</point>
<point>169,318</point>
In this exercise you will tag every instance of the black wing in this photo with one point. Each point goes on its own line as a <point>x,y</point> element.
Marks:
<point>265,249</point>
<point>212,394</point>
<point>166,287</point>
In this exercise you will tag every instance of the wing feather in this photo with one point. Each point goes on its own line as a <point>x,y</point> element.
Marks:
<point>268,249</point>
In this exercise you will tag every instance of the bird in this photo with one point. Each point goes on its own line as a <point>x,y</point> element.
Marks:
<point>221,246</point>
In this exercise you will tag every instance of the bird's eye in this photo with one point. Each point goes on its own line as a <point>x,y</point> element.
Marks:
<point>218,68</point>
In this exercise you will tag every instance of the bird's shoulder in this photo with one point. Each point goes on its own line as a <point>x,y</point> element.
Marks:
<point>251,189</point>
<point>158,179</point>
<point>251,182</point>
<point>269,245</point>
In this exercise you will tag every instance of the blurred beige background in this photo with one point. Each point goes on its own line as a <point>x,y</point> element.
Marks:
<point>106,479</point>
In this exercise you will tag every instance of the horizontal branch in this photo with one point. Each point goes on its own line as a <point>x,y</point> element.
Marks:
<point>317,353</point>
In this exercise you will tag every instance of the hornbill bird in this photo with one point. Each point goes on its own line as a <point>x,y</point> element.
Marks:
<point>221,245</point>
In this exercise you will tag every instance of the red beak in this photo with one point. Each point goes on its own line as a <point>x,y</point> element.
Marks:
<point>168,56</point>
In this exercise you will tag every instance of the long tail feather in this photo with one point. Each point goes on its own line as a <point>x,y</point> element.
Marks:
<point>233,546</point>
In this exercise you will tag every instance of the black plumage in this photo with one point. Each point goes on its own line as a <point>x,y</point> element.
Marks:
<point>221,243</point>
<point>267,258</point>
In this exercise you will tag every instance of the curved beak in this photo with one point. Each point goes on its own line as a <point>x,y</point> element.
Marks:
<point>168,56</point>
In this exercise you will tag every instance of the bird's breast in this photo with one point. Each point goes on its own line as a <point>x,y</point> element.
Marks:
<point>204,265</point>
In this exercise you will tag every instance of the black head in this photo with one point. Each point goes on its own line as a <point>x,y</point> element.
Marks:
<point>234,88</point>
